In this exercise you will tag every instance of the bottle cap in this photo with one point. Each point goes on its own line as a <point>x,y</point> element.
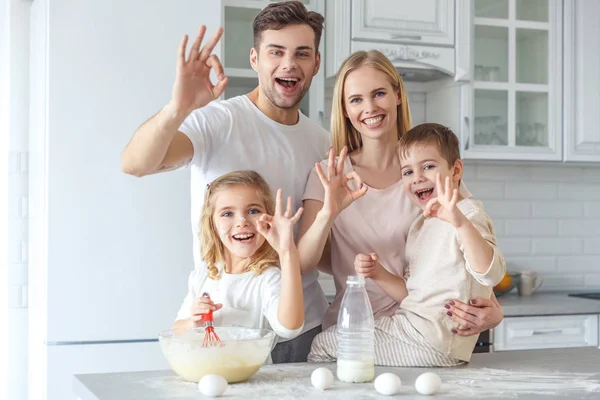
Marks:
<point>355,279</point>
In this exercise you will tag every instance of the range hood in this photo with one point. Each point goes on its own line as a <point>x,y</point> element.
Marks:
<point>429,43</point>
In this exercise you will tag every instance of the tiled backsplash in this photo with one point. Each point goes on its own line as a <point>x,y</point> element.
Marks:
<point>547,219</point>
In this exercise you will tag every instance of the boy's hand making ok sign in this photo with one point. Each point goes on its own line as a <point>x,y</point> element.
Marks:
<point>444,205</point>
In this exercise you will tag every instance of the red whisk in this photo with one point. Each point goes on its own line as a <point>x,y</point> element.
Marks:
<point>210,337</point>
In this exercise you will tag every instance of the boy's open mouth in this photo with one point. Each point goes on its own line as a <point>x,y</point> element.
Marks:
<point>424,194</point>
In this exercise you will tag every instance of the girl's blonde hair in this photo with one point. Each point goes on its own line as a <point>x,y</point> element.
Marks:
<point>342,131</point>
<point>211,247</point>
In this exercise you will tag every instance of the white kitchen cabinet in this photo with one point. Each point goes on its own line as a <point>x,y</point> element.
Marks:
<point>237,40</point>
<point>428,40</point>
<point>582,81</point>
<point>547,332</point>
<point>404,21</point>
<point>512,110</point>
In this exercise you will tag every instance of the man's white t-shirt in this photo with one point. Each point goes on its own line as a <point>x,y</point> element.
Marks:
<point>233,135</point>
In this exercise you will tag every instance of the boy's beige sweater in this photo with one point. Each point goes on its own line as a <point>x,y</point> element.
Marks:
<point>438,272</point>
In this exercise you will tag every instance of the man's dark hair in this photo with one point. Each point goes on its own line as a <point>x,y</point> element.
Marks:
<point>279,15</point>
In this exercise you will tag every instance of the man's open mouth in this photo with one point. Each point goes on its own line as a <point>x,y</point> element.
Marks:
<point>288,83</point>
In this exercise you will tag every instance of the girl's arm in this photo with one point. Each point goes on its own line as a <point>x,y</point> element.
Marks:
<point>190,313</point>
<point>290,312</point>
<point>286,291</point>
<point>199,306</point>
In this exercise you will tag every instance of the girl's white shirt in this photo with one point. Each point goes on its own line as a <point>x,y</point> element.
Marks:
<point>249,300</point>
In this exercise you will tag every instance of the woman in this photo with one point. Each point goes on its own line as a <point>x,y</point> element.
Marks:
<point>370,113</point>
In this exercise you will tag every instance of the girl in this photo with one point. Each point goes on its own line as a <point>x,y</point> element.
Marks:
<point>370,113</point>
<point>244,235</point>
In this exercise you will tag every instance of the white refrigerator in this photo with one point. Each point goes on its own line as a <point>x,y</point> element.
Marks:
<point>109,253</point>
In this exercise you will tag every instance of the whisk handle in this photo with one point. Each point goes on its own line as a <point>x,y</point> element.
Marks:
<point>207,318</point>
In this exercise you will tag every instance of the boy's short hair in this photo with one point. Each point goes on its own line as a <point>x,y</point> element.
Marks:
<point>431,133</point>
<point>279,15</point>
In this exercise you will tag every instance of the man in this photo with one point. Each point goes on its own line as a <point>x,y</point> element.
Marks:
<point>262,131</point>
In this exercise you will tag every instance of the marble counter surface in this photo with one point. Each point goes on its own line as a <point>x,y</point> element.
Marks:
<point>547,303</point>
<point>534,374</point>
<point>543,303</point>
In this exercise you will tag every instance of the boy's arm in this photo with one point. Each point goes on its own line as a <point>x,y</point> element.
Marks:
<point>368,265</point>
<point>394,286</point>
<point>477,251</point>
<point>478,244</point>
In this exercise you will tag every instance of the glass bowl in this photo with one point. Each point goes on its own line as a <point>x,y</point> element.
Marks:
<point>239,354</point>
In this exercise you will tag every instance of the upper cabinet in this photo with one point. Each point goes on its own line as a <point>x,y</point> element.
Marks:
<point>404,21</point>
<point>420,37</point>
<point>582,81</point>
<point>515,99</point>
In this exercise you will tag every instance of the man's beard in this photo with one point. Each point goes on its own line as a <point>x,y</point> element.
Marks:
<point>271,94</point>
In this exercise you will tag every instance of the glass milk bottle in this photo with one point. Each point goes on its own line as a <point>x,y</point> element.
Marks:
<point>355,334</point>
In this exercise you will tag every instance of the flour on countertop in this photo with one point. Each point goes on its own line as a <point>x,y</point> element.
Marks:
<point>282,382</point>
<point>506,383</point>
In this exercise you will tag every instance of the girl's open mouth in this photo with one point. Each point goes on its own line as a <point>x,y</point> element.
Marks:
<point>244,237</point>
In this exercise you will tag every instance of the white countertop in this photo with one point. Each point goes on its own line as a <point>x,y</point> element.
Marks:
<point>532,374</point>
<point>547,303</point>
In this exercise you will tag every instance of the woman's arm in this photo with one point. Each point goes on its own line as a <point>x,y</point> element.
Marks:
<point>313,236</point>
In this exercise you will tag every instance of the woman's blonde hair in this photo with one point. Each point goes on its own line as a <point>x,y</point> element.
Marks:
<point>211,247</point>
<point>342,131</point>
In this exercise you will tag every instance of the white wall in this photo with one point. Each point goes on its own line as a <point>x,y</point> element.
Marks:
<point>17,26</point>
<point>4,126</point>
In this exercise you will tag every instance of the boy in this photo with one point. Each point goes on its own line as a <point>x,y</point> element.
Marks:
<point>451,253</point>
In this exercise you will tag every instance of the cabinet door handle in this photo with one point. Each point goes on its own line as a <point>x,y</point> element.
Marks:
<point>409,37</point>
<point>468,131</point>
<point>554,332</point>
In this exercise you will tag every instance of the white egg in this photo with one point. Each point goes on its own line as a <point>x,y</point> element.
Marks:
<point>428,383</point>
<point>388,384</point>
<point>212,385</point>
<point>321,378</point>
